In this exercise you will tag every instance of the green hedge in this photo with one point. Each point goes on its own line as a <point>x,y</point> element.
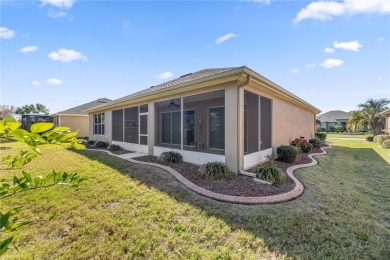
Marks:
<point>214,170</point>
<point>321,135</point>
<point>287,153</point>
<point>386,144</point>
<point>315,142</point>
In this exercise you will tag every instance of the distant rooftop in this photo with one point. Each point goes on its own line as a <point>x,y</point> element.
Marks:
<point>333,116</point>
<point>79,110</point>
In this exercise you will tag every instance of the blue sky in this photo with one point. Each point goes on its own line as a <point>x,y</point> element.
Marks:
<point>63,53</point>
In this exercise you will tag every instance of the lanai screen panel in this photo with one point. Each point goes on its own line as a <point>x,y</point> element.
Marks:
<point>204,122</point>
<point>168,123</point>
<point>117,125</point>
<point>251,122</point>
<point>131,125</point>
<point>265,123</point>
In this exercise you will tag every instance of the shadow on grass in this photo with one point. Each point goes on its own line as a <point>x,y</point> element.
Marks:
<point>318,224</point>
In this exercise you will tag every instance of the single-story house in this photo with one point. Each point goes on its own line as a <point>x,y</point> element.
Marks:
<point>76,118</point>
<point>386,114</point>
<point>333,118</point>
<point>233,115</point>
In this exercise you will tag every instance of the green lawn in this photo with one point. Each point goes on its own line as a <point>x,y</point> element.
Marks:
<point>131,211</point>
<point>330,136</point>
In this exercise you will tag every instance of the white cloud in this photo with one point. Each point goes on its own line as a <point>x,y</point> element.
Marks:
<point>6,33</point>
<point>294,71</point>
<point>36,83</point>
<point>380,39</point>
<point>65,55</point>
<point>28,49</point>
<point>326,10</point>
<point>311,65</point>
<point>165,75</point>
<point>225,38</point>
<point>329,50</point>
<point>350,46</point>
<point>54,82</point>
<point>331,63</point>
<point>54,14</point>
<point>264,2</point>
<point>63,4</point>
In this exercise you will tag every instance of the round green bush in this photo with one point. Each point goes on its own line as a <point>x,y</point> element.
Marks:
<point>101,144</point>
<point>270,173</point>
<point>170,157</point>
<point>214,170</point>
<point>307,147</point>
<point>369,138</point>
<point>386,144</point>
<point>321,135</point>
<point>381,138</point>
<point>287,153</point>
<point>315,142</point>
<point>114,147</point>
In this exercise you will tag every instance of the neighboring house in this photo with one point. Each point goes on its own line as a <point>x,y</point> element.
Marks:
<point>76,118</point>
<point>333,118</point>
<point>233,115</point>
<point>386,114</point>
<point>29,119</point>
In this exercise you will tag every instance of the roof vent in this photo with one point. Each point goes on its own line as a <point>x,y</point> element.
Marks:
<point>185,75</point>
<point>102,101</point>
<point>151,86</point>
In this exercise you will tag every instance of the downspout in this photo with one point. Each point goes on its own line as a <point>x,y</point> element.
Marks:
<point>240,86</point>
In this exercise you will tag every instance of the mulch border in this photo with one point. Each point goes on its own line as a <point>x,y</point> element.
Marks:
<point>272,199</point>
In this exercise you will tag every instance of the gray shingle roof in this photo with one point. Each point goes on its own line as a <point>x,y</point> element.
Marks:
<point>333,116</point>
<point>183,79</point>
<point>79,110</point>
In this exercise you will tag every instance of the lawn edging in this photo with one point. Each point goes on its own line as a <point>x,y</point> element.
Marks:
<point>272,199</point>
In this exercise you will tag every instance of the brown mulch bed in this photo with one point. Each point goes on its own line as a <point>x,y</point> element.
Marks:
<point>89,146</point>
<point>236,185</point>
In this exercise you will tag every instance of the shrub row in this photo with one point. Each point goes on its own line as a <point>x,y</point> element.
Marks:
<point>380,138</point>
<point>386,144</point>
<point>315,142</point>
<point>321,135</point>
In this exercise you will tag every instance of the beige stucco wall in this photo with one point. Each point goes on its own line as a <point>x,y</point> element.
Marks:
<point>290,122</point>
<point>75,123</point>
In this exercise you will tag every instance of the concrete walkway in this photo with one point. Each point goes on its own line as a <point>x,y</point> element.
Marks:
<point>290,195</point>
<point>346,138</point>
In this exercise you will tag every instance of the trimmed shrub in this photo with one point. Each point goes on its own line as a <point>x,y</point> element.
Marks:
<point>90,142</point>
<point>381,138</point>
<point>307,147</point>
<point>321,135</point>
<point>170,157</point>
<point>287,153</point>
<point>214,170</point>
<point>114,147</point>
<point>101,144</point>
<point>386,144</point>
<point>369,138</point>
<point>270,173</point>
<point>315,142</point>
<point>338,129</point>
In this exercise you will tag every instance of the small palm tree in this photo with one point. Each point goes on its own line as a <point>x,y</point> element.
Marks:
<point>368,116</point>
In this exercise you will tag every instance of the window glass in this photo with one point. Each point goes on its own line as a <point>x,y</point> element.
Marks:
<point>98,128</point>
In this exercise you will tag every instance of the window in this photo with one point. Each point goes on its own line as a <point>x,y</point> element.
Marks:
<point>98,124</point>
<point>217,127</point>
<point>56,124</point>
<point>170,127</point>
<point>188,120</point>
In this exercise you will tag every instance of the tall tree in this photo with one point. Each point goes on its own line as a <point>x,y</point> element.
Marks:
<point>6,110</point>
<point>32,109</point>
<point>369,116</point>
